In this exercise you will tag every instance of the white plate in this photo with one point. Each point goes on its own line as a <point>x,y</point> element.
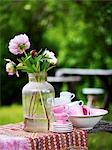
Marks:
<point>61,131</point>
<point>62,126</point>
<point>58,124</point>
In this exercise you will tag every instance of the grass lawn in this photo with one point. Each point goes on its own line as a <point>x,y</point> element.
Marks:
<point>11,114</point>
<point>96,141</point>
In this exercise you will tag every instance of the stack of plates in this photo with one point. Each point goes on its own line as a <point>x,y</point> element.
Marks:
<point>58,127</point>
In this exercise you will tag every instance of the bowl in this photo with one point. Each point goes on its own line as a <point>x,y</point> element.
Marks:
<point>87,122</point>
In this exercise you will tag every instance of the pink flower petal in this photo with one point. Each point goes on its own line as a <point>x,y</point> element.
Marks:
<point>14,51</point>
<point>27,44</point>
<point>14,44</point>
<point>11,73</point>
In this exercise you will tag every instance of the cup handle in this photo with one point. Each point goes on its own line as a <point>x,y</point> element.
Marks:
<point>72,96</point>
<point>81,103</point>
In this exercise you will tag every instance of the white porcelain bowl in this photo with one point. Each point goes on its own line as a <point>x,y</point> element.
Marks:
<point>88,122</point>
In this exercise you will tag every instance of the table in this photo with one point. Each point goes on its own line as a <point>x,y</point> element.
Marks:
<point>103,125</point>
<point>12,136</point>
<point>104,75</point>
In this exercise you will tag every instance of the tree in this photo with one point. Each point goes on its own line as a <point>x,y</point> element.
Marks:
<point>78,31</point>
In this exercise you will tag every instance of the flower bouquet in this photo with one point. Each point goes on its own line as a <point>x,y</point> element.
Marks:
<point>33,62</point>
<point>37,91</point>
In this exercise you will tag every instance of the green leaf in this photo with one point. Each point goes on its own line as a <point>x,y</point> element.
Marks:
<point>50,68</point>
<point>39,52</point>
<point>20,60</point>
<point>45,65</point>
<point>27,58</point>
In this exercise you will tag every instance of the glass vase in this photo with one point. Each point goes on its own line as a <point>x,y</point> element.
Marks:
<point>37,112</point>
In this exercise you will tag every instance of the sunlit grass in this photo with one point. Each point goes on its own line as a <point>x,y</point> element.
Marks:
<point>100,141</point>
<point>11,114</point>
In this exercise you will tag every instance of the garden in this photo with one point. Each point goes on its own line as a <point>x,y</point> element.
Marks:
<point>79,32</point>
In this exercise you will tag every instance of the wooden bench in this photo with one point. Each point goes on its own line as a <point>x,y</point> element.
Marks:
<point>92,95</point>
<point>104,75</point>
<point>57,82</point>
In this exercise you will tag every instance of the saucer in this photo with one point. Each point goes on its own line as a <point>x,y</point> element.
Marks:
<point>58,127</point>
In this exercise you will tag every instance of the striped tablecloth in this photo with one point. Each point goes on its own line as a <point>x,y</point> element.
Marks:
<point>13,137</point>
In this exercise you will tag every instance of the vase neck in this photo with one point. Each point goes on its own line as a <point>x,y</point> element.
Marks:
<point>37,77</point>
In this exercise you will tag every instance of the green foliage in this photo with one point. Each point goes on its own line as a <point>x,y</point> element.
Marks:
<point>84,36</point>
<point>40,62</point>
<point>80,32</point>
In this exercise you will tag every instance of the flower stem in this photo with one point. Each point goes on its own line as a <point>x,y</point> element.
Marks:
<point>43,105</point>
<point>25,53</point>
<point>33,108</point>
<point>30,104</point>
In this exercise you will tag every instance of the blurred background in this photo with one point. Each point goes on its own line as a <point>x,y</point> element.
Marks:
<point>78,31</point>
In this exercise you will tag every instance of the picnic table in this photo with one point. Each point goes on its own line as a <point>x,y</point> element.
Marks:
<point>105,75</point>
<point>13,137</point>
<point>103,125</point>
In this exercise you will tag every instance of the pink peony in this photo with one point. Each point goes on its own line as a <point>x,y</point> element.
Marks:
<point>19,44</point>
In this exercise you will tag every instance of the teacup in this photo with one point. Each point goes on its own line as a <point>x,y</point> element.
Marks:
<point>78,110</point>
<point>60,101</point>
<point>86,110</point>
<point>58,109</point>
<point>61,117</point>
<point>67,96</point>
<point>76,103</point>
